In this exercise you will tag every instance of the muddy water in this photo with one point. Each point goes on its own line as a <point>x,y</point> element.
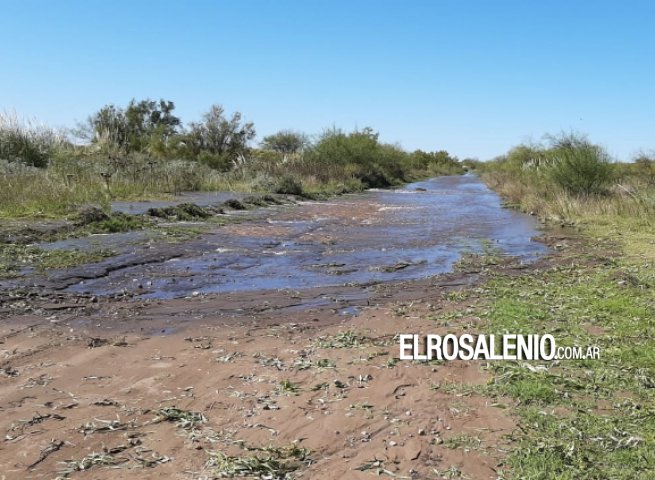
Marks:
<point>378,236</point>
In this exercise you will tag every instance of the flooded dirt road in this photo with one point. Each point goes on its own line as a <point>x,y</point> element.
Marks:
<point>378,236</point>
<point>275,334</point>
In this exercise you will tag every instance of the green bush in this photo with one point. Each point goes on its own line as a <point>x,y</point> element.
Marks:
<point>289,185</point>
<point>580,169</point>
<point>27,142</point>
<point>362,155</point>
<point>644,168</point>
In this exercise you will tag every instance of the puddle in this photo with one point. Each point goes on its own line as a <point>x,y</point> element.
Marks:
<point>350,311</point>
<point>378,236</point>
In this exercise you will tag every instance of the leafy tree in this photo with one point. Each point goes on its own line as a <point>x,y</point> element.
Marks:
<point>285,141</point>
<point>218,140</point>
<point>149,119</point>
<point>133,129</point>
<point>107,126</point>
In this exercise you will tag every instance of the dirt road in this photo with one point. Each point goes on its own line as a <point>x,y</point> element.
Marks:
<point>254,382</point>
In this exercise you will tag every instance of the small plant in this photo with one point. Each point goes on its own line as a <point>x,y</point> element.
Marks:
<point>462,440</point>
<point>451,472</point>
<point>326,363</point>
<point>392,362</point>
<point>287,387</point>
<point>302,363</point>
<point>90,461</point>
<point>346,339</point>
<point>376,466</point>
<point>277,463</point>
<point>183,418</point>
<point>116,223</point>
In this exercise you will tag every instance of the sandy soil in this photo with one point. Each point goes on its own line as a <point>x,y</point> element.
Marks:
<point>71,387</point>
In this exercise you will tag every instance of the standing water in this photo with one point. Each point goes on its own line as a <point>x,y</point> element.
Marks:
<point>377,236</point>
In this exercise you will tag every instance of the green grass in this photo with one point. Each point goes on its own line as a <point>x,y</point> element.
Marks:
<point>13,258</point>
<point>273,463</point>
<point>118,222</point>
<point>591,419</point>
<point>182,418</point>
<point>462,440</point>
<point>287,387</point>
<point>345,339</point>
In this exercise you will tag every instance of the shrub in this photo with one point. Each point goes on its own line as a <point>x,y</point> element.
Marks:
<point>644,168</point>
<point>581,169</point>
<point>27,142</point>
<point>289,185</point>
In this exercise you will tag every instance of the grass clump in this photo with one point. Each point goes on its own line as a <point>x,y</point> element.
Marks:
<point>183,418</point>
<point>118,222</point>
<point>275,463</point>
<point>325,363</point>
<point>27,141</point>
<point>182,212</point>
<point>287,387</point>
<point>462,440</point>
<point>345,339</point>
<point>92,460</point>
<point>235,204</point>
<point>92,219</point>
<point>14,258</point>
<point>289,185</point>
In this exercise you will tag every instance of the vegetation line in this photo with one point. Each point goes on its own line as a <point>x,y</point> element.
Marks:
<point>144,151</point>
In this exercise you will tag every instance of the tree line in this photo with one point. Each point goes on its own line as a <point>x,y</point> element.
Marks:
<point>145,146</point>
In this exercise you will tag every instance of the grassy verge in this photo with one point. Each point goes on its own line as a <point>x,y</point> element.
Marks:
<point>573,181</point>
<point>582,418</point>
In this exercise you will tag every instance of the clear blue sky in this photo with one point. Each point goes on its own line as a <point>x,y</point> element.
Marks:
<point>471,77</point>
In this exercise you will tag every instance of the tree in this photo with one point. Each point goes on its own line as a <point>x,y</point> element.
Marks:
<point>285,141</point>
<point>133,129</point>
<point>108,126</point>
<point>218,140</point>
<point>147,120</point>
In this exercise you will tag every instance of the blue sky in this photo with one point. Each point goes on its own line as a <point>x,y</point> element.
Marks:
<point>471,77</point>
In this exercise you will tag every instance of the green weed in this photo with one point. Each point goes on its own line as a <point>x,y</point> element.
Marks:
<point>345,339</point>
